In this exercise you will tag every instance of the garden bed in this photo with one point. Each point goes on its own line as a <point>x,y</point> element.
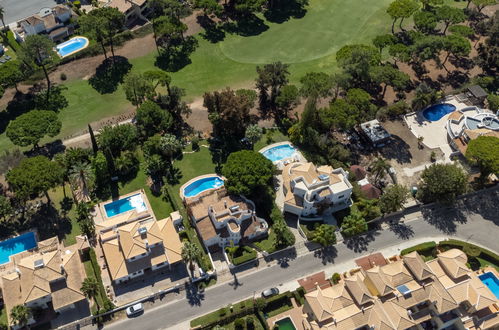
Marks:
<point>240,254</point>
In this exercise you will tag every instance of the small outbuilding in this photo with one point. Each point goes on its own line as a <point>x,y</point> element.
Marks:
<point>375,133</point>
<point>476,94</point>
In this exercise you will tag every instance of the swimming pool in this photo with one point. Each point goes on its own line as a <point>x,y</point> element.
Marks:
<point>201,185</point>
<point>134,202</point>
<point>491,281</point>
<point>71,46</point>
<point>437,111</point>
<point>16,245</point>
<point>279,152</point>
<point>285,324</point>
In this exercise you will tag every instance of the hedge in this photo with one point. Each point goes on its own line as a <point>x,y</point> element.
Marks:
<point>423,248</point>
<point>277,303</point>
<point>247,255</point>
<point>106,304</point>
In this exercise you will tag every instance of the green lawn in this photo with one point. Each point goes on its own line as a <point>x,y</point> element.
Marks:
<point>307,43</point>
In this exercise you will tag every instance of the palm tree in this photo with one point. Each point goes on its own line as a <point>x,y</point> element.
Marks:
<point>379,168</point>
<point>82,177</point>
<point>190,253</point>
<point>90,288</point>
<point>2,12</point>
<point>20,315</point>
<point>420,142</point>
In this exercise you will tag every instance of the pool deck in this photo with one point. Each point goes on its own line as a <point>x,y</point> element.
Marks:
<point>182,188</point>
<point>100,216</point>
<point>75,51</point>
<point>281,162</point>
<point>434,133</point>
<point>295,314</point>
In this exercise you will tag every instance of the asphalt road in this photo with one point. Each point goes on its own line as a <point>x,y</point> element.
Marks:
<point>447,223</point>
<point>18,9</point>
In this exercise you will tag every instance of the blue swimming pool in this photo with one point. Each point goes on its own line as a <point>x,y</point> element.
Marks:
<point>203,184</point>
<point>437,111</point>
<point>71,46</point>
<point>491,281</point>
<point>16,245</point>
<point>134,202</point>
<point>277,153</point>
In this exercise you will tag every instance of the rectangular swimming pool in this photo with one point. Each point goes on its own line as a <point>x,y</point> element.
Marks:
<point>16,245</point>
<point>134,202</point>
<point>285,324</point>
<point>491,281</point>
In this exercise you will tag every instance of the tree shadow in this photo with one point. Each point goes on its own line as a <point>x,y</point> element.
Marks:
<point>361,243</point>
<point>177,57</point>
<point>235,282</point>
<point>444,218</point>
<point>20,104</point>
<point>246,26</point>
<point>483,203</point>
<point>109,75</point>
<point>283,10</point>
<point>48,222</point>
<point>213,32</point>
<point>326,254</point>
<point>397,149</point>
<point>455,78</point>
<point>194,296</point>
<point>402,230</point>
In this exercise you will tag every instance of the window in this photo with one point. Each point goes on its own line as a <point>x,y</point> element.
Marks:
<point>341,196</point>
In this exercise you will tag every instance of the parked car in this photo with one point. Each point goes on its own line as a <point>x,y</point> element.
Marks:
<point>270,292</point>
<point>135,310</point>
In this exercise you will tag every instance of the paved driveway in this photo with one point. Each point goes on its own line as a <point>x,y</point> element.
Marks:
<point>18,9</point>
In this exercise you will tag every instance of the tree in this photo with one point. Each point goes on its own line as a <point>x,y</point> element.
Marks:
<point>90,288</point>
<point>209,7</point>
<point>5,207</point>
<point>353,224</point>
<point>488,52</point>
<point>428,4</point>
<point>484,152</point>
<point>368,208</point>
<point>481,4</point>
<point>356,61</point>
<point>229,112</point>
<point>151,119</point>
<point>253,133</point>
<point>82,176</point>
<point>137,88</point>
<point>271,78</point>
<point>29,128</point>
<point>172,102</point>
<point>425,96</point>
<point>34,176</point>
<point>115,139</point>
<point>393,198</point>
<point>316,84</point>
<point>400,52</point>
<point>425,21</point>
<point>283,236</point>
<point>457,46</point>
<point>340,115</point>
<point>324,235</point>
<point>170,32</point>
<point>11,74</point>
<point>100,168</point>
<point>113,20</point>
<point>493,101</point>
<point>462,30</point>
<point>450,15</point>
<point>20,315</point>
<point>93,140</point>
<point>247,7</point>
<point>126,164</point>
<point>248,173</point>
<point>442,183</point>
<point>94,25</point>
<point>383,41</point>
<point>170,145</point>
<point>401,9</point>
<point>286,100</point>
<point>379,167</point>
<point>190,254</point>
<point>390,76</point>
<point>39,49</point>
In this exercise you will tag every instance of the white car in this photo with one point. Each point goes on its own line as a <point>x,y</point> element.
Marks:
<point>135,309</point>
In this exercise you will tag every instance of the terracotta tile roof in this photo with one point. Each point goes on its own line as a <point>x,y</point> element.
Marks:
<point>417,266</point>
<point>454,263</point>
<point>121,5</point>
<point>58,273</point>
<point>311,282</point>
<point>368,262</point>
<point>358,289</point>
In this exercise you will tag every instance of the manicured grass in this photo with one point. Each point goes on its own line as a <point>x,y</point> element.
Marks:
<point>72,228</point>
<point>276,136</point>
<point>267,244</point>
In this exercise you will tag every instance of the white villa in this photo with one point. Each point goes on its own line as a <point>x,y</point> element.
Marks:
<point>308,189</point>
<point>222,219</point>
<point>50,21</point>
<point>469,123</point>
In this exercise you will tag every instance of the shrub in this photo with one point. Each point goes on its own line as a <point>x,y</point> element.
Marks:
<point>63,76</point>
<point>423,248</point>
<point>77,4</point>
<point>260,304</point>
<point>335,278</point>
<point>250,322</point>
<point>195,143</point>
<point>239,324</point>
<point>222,311</point>
<point>472,250</point>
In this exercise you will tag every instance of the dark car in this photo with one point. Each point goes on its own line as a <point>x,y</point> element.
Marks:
<point>270,292</point>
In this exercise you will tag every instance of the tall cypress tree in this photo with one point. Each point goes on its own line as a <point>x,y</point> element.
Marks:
<point>92,139</point>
